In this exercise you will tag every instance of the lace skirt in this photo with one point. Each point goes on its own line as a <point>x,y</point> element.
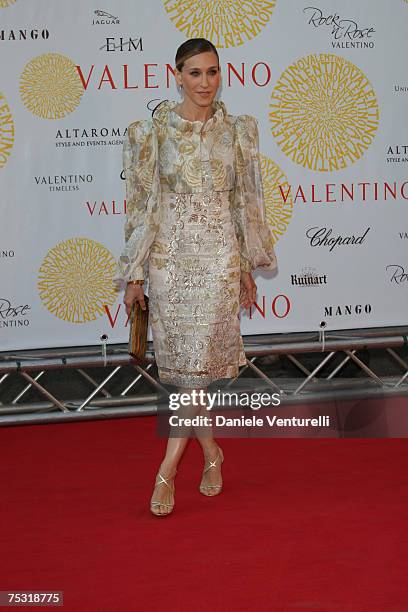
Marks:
<point>194,283</point>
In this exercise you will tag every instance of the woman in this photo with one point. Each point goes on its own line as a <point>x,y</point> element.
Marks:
<point>196,226</point>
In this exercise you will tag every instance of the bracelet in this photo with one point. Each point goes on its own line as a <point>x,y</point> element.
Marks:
<point>136,282</point>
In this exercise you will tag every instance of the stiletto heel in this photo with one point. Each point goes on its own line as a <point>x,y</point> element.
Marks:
<point>160,479</point>
<point>212,490</point>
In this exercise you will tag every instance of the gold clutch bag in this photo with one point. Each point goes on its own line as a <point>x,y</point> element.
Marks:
<point>139,320</point>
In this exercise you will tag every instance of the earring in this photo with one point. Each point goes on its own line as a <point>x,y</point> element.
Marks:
<point>179,88</point>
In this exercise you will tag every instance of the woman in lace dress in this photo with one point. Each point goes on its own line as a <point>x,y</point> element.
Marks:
<point>196,229</point>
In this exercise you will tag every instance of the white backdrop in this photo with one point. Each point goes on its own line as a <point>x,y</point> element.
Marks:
<point>328,84</point>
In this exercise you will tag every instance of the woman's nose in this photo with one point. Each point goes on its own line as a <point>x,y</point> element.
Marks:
<point>204,81</point>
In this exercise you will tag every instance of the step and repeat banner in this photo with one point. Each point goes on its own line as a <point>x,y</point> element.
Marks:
<point>328,84</point>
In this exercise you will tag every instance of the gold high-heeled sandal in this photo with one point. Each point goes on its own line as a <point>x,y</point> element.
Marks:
<point>212,490</point>
<point>161,480</point>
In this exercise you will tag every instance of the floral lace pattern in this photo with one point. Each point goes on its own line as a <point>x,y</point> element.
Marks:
<point>169,154</point>
<point>195,220</point>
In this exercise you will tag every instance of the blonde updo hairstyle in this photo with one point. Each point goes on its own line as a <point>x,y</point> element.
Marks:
<point>192,47</point>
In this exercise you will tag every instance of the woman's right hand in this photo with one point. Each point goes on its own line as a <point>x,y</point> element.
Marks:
<point>134,293</point>
<point>247,294</point>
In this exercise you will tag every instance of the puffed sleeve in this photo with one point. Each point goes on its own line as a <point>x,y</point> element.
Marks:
<point>140,165</point>
<point>248,206</point>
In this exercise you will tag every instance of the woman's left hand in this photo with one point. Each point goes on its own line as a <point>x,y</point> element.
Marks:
<point>248,290</point>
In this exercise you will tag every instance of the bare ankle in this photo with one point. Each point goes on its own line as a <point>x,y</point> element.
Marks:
<point>168,469</point>
<point>210,448</point>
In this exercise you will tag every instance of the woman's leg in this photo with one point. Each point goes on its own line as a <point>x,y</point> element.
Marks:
<point>211,482</point>
<point>176,445</point>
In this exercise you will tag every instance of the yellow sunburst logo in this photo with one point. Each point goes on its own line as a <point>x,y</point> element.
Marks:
<point>6,131</point>
<point>5,3</point>
<point>50,86</point>
<point>277,196</point>
<point>324,112</point>
<point>75,280</point>
<point>226,23</point>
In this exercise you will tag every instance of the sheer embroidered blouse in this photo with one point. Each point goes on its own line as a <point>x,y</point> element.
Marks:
<point>170,154</point>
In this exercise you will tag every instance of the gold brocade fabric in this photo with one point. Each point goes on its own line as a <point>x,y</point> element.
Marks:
<point>194,279</point>
<point>195,219</point>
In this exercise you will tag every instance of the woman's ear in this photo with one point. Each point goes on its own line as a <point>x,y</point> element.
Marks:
<point>178,77</point>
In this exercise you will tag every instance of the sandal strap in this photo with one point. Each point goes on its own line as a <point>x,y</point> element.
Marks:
<point>212,463</point>
<point>164,481</point>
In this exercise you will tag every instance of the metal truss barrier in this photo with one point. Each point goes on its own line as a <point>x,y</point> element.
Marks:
<point>319,360</point>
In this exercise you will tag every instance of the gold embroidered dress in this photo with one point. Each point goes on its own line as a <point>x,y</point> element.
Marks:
<point>195,219</point>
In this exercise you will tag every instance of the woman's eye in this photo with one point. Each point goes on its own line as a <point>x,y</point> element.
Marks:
<point>195,73</point>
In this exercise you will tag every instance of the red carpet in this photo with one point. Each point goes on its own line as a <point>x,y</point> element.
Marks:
<point>301,524</point>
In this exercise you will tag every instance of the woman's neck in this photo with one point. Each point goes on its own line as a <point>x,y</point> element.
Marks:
<point>191,112</point>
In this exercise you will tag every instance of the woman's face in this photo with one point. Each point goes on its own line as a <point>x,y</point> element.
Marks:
<point>200,78</point>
